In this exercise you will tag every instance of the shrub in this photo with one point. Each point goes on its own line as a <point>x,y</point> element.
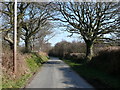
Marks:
<point>64,48</point>
<point>7,64</point>
<point>76,57</point>
<point>107,60</point>
<point>27,65</point>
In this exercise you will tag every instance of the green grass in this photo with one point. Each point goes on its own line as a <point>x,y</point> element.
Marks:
<point>94,76</point>
<point>34,63</point>
<point>7,83</point>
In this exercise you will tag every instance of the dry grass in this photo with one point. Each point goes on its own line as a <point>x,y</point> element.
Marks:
<point>43,53</point>
<point>109,49</point>
<point>7,64</point>
<point>27,65</point>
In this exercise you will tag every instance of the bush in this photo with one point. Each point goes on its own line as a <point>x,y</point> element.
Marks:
<point>76,57</point>
<point>64,48</point>
<point>7,64</point>
<point>107,60</point>
<point>27,65</point>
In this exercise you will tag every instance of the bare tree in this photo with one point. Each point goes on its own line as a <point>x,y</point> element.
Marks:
<point>7,26</point>
<point>32,18</point>
<point>40,39</point>
<point>37,19</point>
<point>92,20</point>
<point>8,20</point>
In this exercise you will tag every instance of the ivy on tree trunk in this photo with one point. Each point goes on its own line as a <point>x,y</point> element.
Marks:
<point>89,50</point>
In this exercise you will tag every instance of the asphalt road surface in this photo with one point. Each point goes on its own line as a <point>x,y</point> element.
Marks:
<point>56,74</point>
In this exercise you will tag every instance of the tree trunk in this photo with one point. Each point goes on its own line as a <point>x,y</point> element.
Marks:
<point>26,46</point>
<point>10,41</point>
<point>18,36</point>
<point>89,50</point>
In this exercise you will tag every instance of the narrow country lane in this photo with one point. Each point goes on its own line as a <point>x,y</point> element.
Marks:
<point>56,74</point>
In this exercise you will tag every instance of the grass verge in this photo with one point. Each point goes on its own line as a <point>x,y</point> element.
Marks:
<point>34,62</point>
<point>7,83</point>
<point>95,77</point>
